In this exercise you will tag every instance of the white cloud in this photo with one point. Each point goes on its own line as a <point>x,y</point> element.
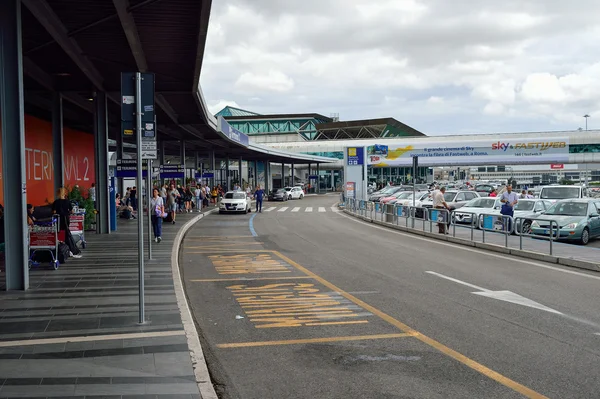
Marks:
<point>220,104</point>
<point>444,66</point>
<point>255,83</point>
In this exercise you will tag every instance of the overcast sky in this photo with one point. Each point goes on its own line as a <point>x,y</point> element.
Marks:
<point>440,66</point>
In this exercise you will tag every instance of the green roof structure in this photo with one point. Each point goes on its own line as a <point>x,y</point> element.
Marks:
<point>233,111</point>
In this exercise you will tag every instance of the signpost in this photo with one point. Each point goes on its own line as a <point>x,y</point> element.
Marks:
<point>415,166</point>
<point>137,115</point>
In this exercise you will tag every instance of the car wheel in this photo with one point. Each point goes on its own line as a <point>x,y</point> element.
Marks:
<point>526,227</point>
<point>585,236</point>
<point>301,196</point>
<point>290,197</point>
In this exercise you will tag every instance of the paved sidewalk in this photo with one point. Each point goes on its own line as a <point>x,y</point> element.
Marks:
<point>75,332</point>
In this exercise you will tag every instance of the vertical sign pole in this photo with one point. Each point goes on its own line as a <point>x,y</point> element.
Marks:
<point>149,196</point>
<point>140,182</point>
<point>415,167</point>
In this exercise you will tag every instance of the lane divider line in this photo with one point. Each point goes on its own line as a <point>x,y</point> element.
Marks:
<point>312,340</point>
<point>251,225</point>
<point>480,368</point>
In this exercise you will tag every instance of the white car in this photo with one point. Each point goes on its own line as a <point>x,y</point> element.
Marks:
<point>472,209</point>
<point>420,197</point>
<point>454,199</point>
<point>235,201</point>
<point>295,192</point>
<point>528,209</point>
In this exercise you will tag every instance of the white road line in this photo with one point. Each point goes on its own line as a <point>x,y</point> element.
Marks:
<point>283,209</point>
<point>89,338</point>
<point>296,209</point>
<point>335,209</point>
<point>459,281</point>
<point>464,248</point>
<point>270,209</point>
<point>308,209</point>
<point>322,209</point>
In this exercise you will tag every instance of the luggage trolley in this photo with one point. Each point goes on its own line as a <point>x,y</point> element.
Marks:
<point>76,225</point>
<point>43,236</point>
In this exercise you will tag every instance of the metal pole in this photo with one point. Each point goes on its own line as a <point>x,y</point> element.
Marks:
<point>148,198</point>
<point>57,141</point>
<point>140,182</point>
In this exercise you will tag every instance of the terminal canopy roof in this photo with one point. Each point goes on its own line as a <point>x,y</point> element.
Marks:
<point>365,129</point>
<point>79,47</point>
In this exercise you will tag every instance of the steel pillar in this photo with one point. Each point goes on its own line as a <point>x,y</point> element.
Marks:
<point>267,175</point>
<point>120,151</point>
<point>13,146</point>
<point>212,166</point>
<point>292,171</point>
<point>101,147</point>
<point>255,174</point>
<point>240,173</point>
<point>318,180</point>
<point>57,141</point>
<point>182,154</point>
<point>227,181</point>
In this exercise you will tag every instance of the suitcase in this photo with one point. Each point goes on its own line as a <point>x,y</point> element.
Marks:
<point>63,253</point>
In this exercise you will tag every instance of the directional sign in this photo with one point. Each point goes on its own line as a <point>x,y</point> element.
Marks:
<point>506,296</point>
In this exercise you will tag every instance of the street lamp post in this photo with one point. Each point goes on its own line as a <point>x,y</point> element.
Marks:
<point>586,116</point>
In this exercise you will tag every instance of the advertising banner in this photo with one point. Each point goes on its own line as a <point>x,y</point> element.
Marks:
<point>473,152</point>
<point>350,193</point>
<point>260,174</point>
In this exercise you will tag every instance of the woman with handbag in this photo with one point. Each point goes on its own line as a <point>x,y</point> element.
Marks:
<point>157,206</point>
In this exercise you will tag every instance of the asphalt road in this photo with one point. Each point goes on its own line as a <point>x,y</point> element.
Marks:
<point>318,304</point>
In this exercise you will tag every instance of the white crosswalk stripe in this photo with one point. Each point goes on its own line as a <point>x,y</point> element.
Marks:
<point>308,209</point>
<point>296,209</point>
<point>270,209</point>
<point>321,209</point>
<point>283,209</point>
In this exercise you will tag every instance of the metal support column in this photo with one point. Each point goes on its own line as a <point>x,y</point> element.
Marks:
<point>182,161</point>
<point>140,182</point>
<point>149,195</point>
<point>267,175</point>
<point>120,151</point>
<point>255,175</point>
<point>57,141</point>
<point>101,147</point>
<point>318,180</point>
<point>197,165</point>
<point>240,173</point>
<point>161,152</point>
<point>13,146</point>
<point>227,181</point>
<point>212,167</point>
<point>292,172</point>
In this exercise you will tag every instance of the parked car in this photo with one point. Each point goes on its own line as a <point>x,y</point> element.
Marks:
<point>472,209</point>
<point>294,192</point>
<point>235,201</point>
<point>484,190</point>
<point>396,196</point>
<point>420,196</point>
<point>454,199</point>
<point>578,220</point>
<point>386,192</point>
<point>555,193</point>
<point>530,209</point>
<point>279,195</point>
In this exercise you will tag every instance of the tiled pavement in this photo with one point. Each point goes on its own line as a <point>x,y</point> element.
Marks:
<point>75,332</point>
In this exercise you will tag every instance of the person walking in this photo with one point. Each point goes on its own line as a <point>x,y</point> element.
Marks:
<point>92,194</point>
<point>523,194</point>
<point>509,199</point>
<point>173,197</point>
<point>439,202</point>
<point>157,207</point>
<point>259,194</point>
<point>133,197</point>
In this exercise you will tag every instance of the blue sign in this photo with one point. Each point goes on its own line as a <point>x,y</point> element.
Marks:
<point>127,168</point>
<point>208,175</point>
<point>172,171</point>
<point>356,155</point>
<point>232,133</point>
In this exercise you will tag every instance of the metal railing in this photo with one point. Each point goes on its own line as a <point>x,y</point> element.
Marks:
<point>503,224</point>
<point>496,223</point>
<point>552,233</point>
<point>472,225</point>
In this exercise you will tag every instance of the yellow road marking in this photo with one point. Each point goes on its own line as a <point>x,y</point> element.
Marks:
<point>312,340</point>
<point>226,245</point>
<point>207,280</point>
<point>523,390</point>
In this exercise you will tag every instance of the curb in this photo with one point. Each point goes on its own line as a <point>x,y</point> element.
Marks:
<point>570,262</point>
<point>205,386</point>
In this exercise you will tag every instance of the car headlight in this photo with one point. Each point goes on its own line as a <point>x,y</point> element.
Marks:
<point>535,224</point>
<point>570,226</point>
<point>221,205</point>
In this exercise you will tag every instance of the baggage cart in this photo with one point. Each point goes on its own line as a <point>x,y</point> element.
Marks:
<point>76,226</point>
<point>43,236</point>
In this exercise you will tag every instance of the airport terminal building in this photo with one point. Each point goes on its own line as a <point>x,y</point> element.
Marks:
<point>531,158</point>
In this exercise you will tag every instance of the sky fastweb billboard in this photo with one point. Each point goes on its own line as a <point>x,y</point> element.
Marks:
<point>39,161</point>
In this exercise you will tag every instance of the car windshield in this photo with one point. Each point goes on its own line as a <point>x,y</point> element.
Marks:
<point>484,188</point>
<point>281,190</point>
<point>449,196</point>
<point>559,192</point>
<point>524,205</point>
<point>568,208</point>
<point>403,195</point>
<point>235,195</point>
<point>288,189</point>
<point>481,203</point>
